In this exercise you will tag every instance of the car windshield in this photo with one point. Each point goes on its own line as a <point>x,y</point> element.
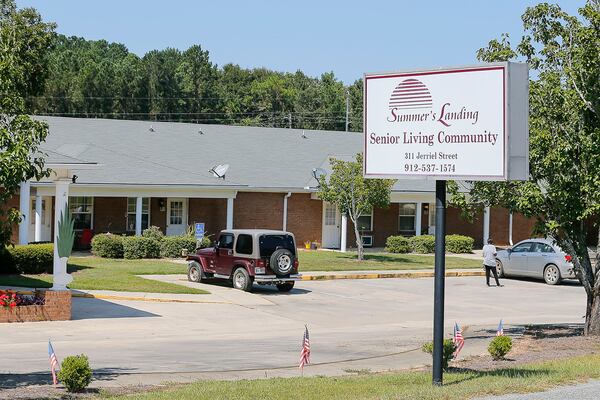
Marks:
<point>269,243</point>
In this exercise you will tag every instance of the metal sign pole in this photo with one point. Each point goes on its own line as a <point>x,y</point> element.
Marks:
<point>440,272</point>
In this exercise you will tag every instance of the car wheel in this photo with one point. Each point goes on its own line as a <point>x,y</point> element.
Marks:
<point>195,273</point>
<point>500,269</point>
<point>282,262</point>
<point>285,287</point>
<point>552,275</point>
<point>242,280</point>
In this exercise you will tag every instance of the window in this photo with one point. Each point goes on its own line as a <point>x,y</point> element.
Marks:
<point>542,248</point>
<point>406,217</point>
<point>522,248</point>
<point>243,244</point>
<point>176,213</point>
<point>367,241</point>
<point>365,222</point>
<point>330,214</point>
<point>81,212</point>
<point>131,203</point>
<point>269,243</point>
<point>226,241</point>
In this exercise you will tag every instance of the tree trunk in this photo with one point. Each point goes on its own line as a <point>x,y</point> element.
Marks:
<point>592,316</point>
<point>359,243</point>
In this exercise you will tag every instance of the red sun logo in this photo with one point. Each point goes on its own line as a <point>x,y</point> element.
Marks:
<point>410,93</point>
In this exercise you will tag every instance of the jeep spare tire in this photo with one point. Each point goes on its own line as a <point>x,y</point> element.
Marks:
<point>282,262</point>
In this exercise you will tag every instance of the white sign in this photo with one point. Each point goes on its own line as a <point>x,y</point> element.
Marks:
<point>463,123</point>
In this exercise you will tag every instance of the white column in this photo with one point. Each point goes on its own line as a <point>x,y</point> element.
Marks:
<point>486,224</point>
<point>510,228</point>
<point>24,206</point>
<point>230,213</point>
<point>418,222</point>
<point>38,218</point>
<point>285,207</point>
<point>138,216</point>
<point>343,244</point>
<point>60,277</point>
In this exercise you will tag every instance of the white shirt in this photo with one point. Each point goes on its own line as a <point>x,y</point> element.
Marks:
<point>489,255</point>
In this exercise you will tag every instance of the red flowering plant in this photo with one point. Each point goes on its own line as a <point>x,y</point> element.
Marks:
<point>11,299</point>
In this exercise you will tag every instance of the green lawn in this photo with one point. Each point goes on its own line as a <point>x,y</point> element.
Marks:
<point>110,274</point>
<point>409,385</point>
<point>335,261</point>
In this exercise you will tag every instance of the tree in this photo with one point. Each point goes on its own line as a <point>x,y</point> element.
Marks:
<point>24,43</point>
<point>564,154</point>
<point>352,193</point>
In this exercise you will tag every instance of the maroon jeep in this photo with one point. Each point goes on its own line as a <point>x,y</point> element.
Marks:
<point>244,256</point>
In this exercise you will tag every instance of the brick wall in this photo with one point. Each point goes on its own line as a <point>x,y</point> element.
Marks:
<point>158,217</point>
<point>305,217</point>
<point>57,307</point>
<point>213,212</point>
<point>258,210</point>
<point>522,227</point>
<point>110,214</point>
<point>455,224</point>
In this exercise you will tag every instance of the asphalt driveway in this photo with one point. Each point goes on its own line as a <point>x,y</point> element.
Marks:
<point>370,324</point>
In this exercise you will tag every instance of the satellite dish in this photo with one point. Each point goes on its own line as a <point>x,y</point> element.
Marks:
<point>219,171</point>
<point>318,173</point>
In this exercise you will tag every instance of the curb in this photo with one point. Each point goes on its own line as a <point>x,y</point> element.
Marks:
<point>133,298</point>
<point>404,275</point>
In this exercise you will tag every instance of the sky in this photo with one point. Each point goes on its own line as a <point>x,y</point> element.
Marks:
<point>348,37</point>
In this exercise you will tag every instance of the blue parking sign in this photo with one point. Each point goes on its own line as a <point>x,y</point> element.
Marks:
<point>199,230</point>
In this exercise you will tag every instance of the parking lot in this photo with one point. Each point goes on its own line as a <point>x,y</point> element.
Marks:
<point>369,321</point>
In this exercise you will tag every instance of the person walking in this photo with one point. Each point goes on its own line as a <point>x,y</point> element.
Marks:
<point>489,262</point>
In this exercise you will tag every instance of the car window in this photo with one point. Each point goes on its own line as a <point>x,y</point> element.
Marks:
<point>269,243</point>
<point>226,241</point>
<point>243,245</point>
<point>522,248</point>
<point>542,248</point>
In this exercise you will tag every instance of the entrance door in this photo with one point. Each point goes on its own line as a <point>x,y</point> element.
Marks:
<point>331,226</point>
<point>46,220</point>
<point>176,216</point>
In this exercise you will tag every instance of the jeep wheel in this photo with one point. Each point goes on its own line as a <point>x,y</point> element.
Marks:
<point>282,262</point>
<point>242,280</point>
<point>285,287</point>
<point>195,273</point>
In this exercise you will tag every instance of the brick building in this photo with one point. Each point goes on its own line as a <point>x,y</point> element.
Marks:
<point>158,173</point>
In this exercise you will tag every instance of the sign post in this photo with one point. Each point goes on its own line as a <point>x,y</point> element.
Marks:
<point>464,123</point>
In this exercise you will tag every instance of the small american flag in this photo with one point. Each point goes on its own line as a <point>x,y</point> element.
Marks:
<point>458,339</point>
<point>53,362</point>
<point>500,331</point>
<point>305,352</point>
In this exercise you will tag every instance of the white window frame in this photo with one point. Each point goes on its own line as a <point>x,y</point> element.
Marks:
<point>370,214</point>
<point>128,213</point>
<point>369,239</point>
<point>91,212</point>
<point>408,215</point>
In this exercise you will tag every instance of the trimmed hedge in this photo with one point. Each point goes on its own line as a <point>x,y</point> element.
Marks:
<point>140,247</point>
<point>75,373</point>
<point>27,259</point>
<point>499,347</point>
<point>422,244</point>
<point>397,244</point>
<point>459,244</point>
<point>171,246</point>
<point>107,245</point>
<point>447,353</point>
<point>153,232</point>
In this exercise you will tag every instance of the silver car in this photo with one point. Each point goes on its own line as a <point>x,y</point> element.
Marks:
<point>535,258</point>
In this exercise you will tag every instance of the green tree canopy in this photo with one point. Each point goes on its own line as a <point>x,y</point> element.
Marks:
<point>564,154</point>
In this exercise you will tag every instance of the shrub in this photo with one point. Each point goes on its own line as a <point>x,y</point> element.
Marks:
<point>459,244</point>
<point>499,347</point>
<point>422,244</point>
<point>107,245</point>
<point>27,259</point>
<point>205,242</point>
<point>153,232</point>
<point>140,247</point>
<point>397,244</point>
<point>447,354</point>
<point>171,246</point>
<point>75,373</point>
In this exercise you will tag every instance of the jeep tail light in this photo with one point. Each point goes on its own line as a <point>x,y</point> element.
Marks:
<point>261,263</point>
<point>568,258</point>
<point>296,263</point>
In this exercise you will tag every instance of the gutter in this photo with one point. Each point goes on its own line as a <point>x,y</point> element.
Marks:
<point>285,211</point>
